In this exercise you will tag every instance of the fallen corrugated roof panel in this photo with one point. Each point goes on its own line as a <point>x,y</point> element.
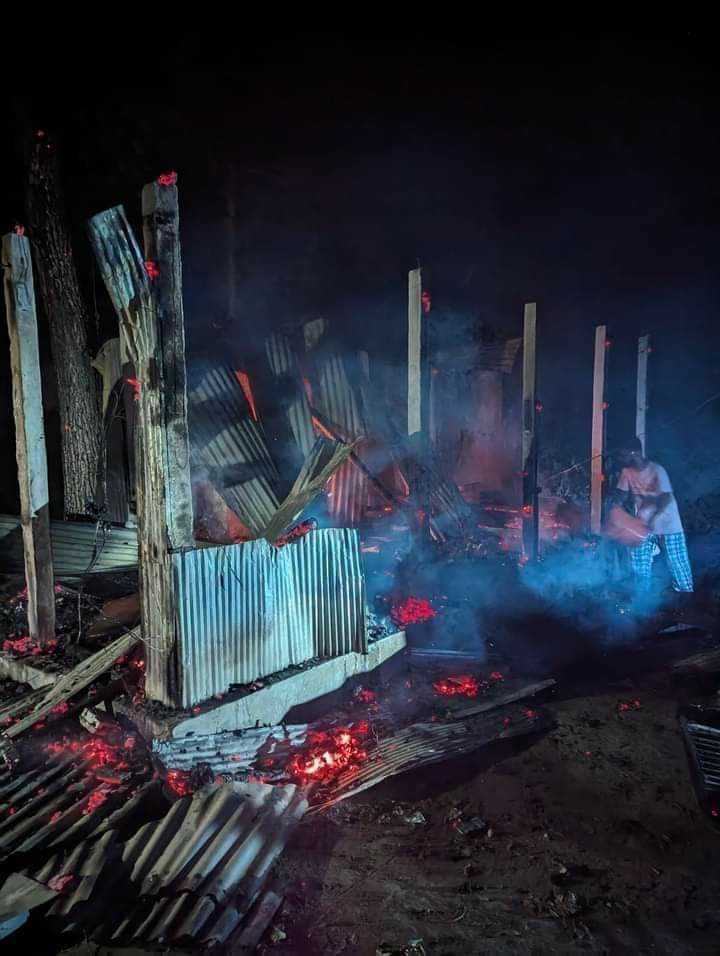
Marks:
<point>284,366</point>
<point>229,752</point>
<point>201,868</point>
<point>228,447</point>
<point>78,548</point>
<point>421,744</point>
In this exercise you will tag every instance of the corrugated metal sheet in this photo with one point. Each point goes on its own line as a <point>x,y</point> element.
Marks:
<point>228,447</point>
<point>283,364</point>
<point>249,610</point>
<point>200,869</point>
<point>338,402</point>
<point>229,752</point>
<point>57,804</point>
<point>489,357</point>
<point>421,744</point>
<point>78,548</point>
<point>196,873</point>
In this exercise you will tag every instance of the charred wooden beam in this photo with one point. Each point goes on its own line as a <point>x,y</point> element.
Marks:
<point>129,279</point>
<point>598,431</point>
<point>415,369</point>
<point>641,390</point>
<point>530,509</point>
<point>29,435</point>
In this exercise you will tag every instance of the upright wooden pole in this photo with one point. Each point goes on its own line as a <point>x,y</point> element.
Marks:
<point>415,376</point>
<point>29,435</point>
<point>598,431</point>
<point>161,231</point>
<point>641,394</point>
<point>140,298</point>
<point>530,511</point>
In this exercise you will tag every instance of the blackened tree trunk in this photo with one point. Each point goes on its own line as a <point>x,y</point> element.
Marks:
<point>67,316</point>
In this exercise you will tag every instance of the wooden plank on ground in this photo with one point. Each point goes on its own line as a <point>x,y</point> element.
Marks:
<point>597,448</point>
<point>74,681</point>
<point>29,435</point>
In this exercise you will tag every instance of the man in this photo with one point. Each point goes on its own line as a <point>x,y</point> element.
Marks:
<point>655,505</point>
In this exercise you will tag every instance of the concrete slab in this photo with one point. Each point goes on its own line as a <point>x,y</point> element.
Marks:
<point>268,705</point>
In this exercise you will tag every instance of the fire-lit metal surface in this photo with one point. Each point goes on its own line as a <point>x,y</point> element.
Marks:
<point>228,752</point>
<point>79,547</point>
<point>199,870</point>
<point>421,744</point>
<point>249,610</point>
<point>229,448</point>
<point>283,364</point>
<point>82,788</point>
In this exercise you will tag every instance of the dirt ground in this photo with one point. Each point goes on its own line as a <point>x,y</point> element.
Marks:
<point>594,843</point>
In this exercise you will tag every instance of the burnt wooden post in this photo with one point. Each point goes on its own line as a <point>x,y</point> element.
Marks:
<point>641,391</point>
<point>598,430</point>
<point>162,246</point>
<point>150,317</point>
<point>29,435</point>
<point>530,510</point>
<point>415,371</point>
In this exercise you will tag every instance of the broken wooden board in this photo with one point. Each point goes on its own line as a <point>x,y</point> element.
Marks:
<point>522,693</point>
<point>21,669</point>
<point>73,682</point>
<point>322,462</point>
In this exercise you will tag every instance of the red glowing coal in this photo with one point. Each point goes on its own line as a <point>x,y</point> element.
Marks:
<point>412,611</point>
<point>329,752</point>
<point>463,686</point>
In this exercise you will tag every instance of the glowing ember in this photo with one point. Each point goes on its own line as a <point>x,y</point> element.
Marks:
<point>625,705</point>
<point>60,709</point>
<point>152,269</point>
<point>56,816</point>
<point>365,695</point>
<point>426,301</point>
<point>530,713</point>
<point>330,752</point>
<point>496,675</point>
<point>60,883</point>
<point>136,387</point>
<point>412,611</point>
<point>463,686</point>
<point>244,381</point>
<point>168,179</point>
<point>294,534</point>
<point>96,799</point>
<point>179,782</point>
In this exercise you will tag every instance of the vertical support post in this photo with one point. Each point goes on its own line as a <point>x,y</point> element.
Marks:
<point>530,511</point>
<point>162,246</point>
<point>598,431</point>
<point>129,279</point>
<point>641,393</point>
<point>29,435</point>
<point>415,371</point>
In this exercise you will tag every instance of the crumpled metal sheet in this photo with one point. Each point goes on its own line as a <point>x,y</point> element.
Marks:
<point>229,752</point>
<point>249,610</point>
<point>228,448</point>
<point>199,870</point>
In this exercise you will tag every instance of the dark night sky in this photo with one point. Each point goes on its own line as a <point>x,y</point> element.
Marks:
<point>579,171</point>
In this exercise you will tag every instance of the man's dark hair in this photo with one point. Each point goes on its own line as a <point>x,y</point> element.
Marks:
<point>632,444</point>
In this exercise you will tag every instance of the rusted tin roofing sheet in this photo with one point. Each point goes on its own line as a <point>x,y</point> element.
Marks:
<point>249,610</point>
<point>229,751</point>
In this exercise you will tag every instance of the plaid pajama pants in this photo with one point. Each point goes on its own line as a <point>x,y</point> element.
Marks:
<point>676,555</point>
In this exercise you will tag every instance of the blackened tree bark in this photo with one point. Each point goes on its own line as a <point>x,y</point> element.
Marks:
<point>67,316</point>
